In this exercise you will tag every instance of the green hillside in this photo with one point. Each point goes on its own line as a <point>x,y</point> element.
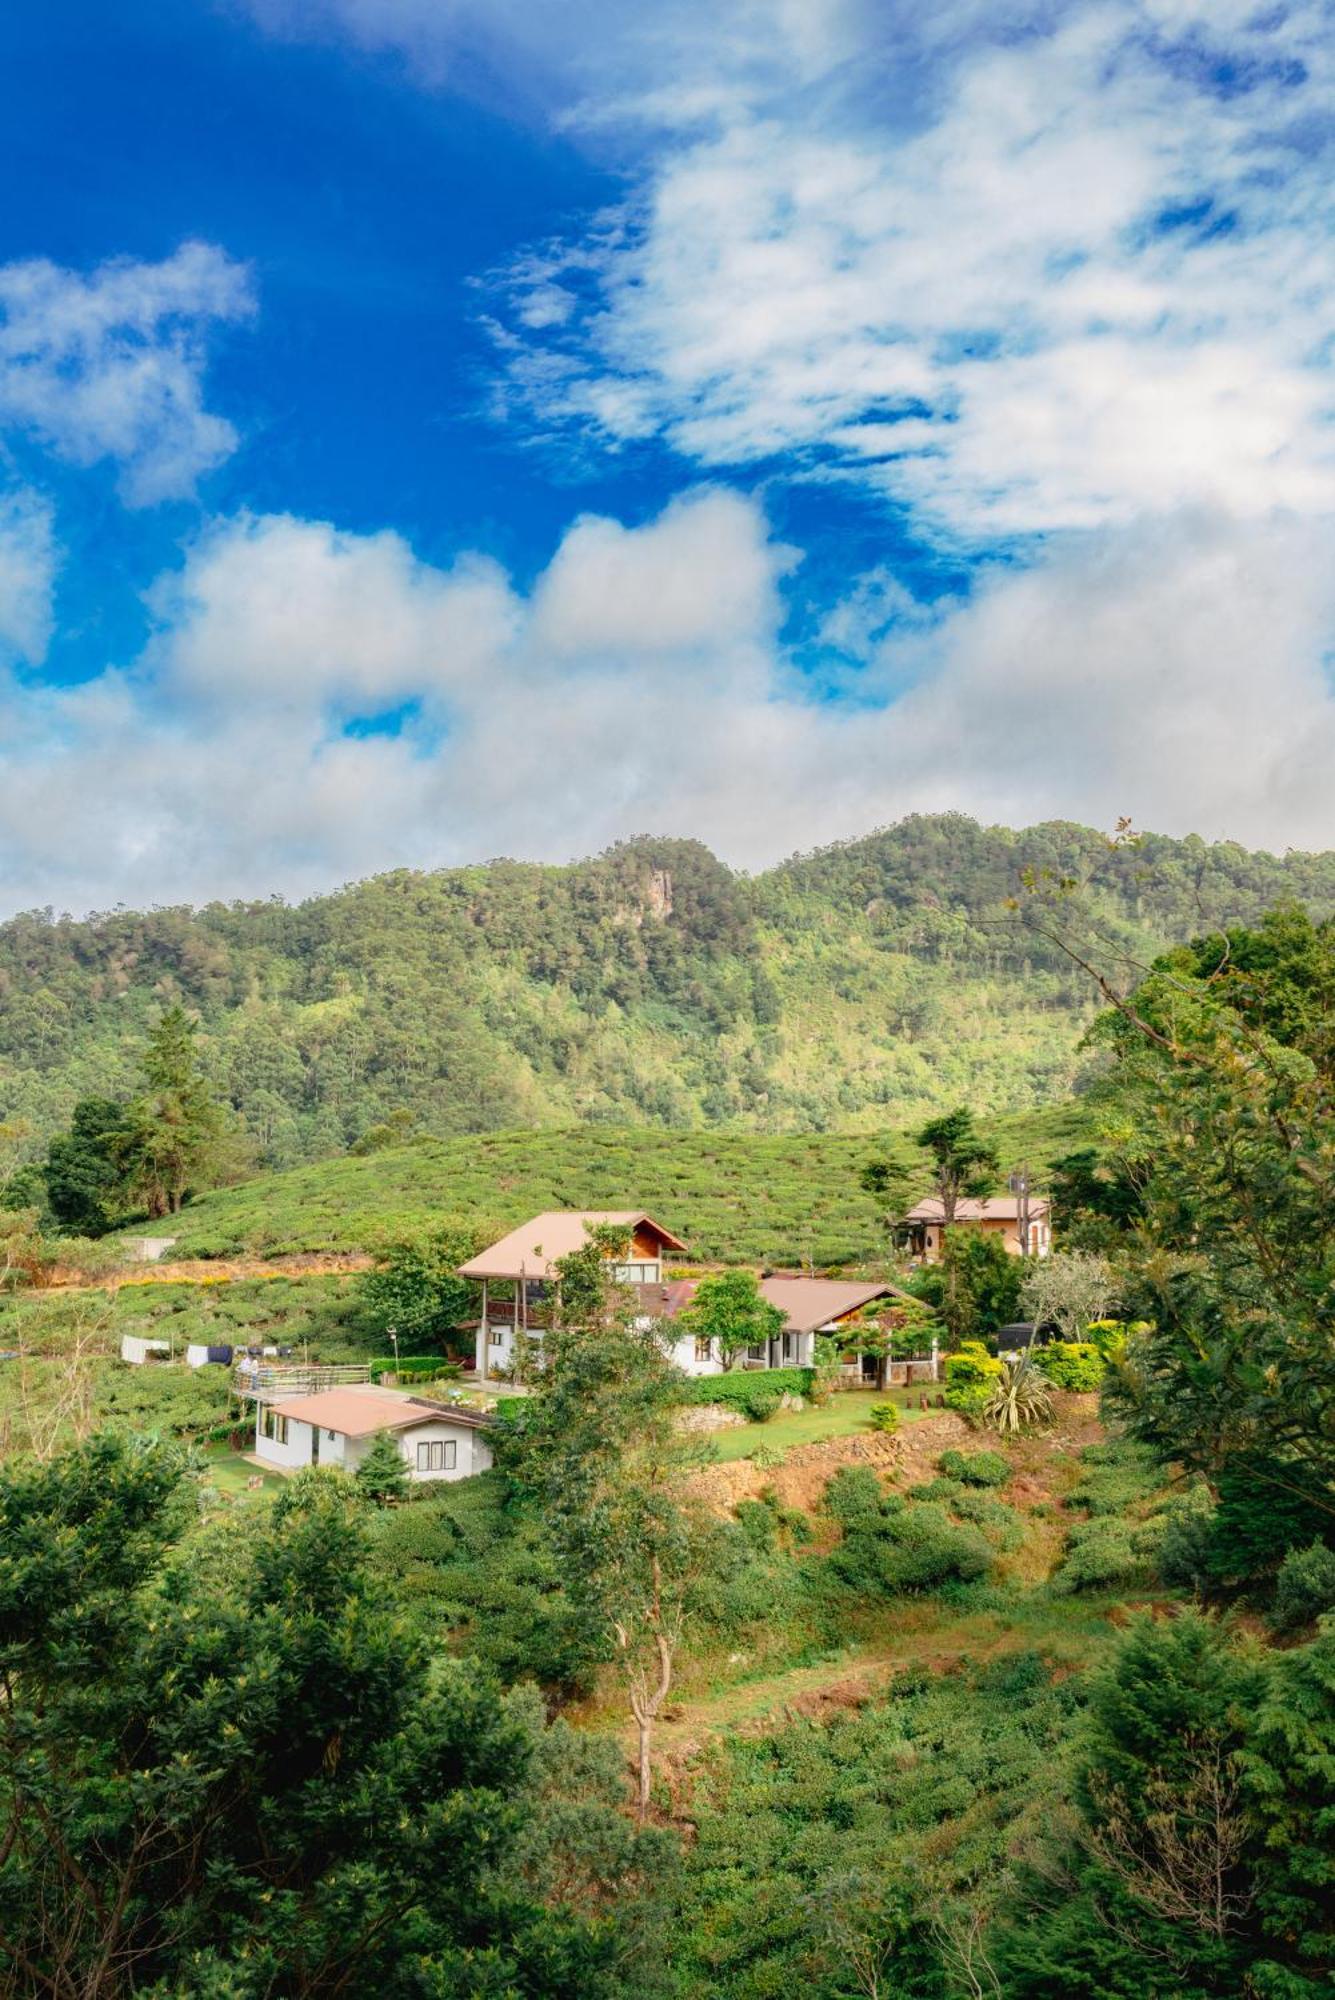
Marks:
<point>732,1195</point>
<point>861,986</point>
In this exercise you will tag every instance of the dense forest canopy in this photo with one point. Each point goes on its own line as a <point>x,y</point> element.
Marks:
<point>861,985</point>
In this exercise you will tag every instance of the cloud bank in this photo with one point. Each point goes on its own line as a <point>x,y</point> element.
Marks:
<point>316,704</point>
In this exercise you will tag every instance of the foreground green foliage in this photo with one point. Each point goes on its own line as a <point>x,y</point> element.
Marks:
<point>230,1772</point>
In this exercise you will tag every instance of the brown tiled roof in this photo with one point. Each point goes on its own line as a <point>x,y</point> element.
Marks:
<point>996,1208</point>
<point>806,1303</point>
<point>366,1408</point>
<point>534,1249</point>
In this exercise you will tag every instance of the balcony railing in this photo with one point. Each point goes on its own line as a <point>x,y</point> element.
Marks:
<point>264,1382</point>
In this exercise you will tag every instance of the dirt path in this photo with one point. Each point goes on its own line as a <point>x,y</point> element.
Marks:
<point>214,1271</point>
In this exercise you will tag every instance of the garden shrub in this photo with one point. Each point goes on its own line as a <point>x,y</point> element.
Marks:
<point>885,1417</point>
<point>976,1468</point>
<point>758,1524</point>
<point>1305,1590</point>
<point>1074,1365</point>
<point>762,1404</point>
<point>970,1374</point>
<point>905,1549</point>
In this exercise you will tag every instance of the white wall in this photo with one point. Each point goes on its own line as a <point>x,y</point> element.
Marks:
<point>290,1456</point>
<point>472,1452</point>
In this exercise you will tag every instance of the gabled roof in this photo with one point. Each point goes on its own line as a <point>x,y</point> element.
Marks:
<point>996,1208</point>
<point>366,1408</point>
<point>806,1303</point>
<point>534,1249</point>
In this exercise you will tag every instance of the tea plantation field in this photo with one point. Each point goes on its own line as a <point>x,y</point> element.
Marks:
<point>734,1196</point>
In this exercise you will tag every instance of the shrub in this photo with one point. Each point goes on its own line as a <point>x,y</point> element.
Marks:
<point>969,1377</point>
<point>761,1405</point>
<point>1306,1587</point>
<point>1075,1365</point>
<point>736,1390</point>
<point>1116,1476</point>
<point>1187,1539</point>
<point>1019,1396</point>
<point>1104,1550</point>
<point>885,1417</point>
<point>917,1548</point>
<point>976,1468</point>
<point>853,1495</point>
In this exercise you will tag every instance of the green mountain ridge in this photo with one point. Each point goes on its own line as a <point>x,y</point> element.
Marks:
<point>851,989</point>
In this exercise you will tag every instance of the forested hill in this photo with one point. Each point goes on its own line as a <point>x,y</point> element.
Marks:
<point>846,989</point>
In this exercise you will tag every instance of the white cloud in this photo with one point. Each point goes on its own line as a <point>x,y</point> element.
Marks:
<point>292,614</point>
<point>111,365</point>
<point>28,560</point>
<point>1174,675</point>
<point>1093,275</point>
<point>699,580</point>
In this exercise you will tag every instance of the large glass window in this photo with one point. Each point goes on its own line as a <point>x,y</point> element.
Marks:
<point>639,1273</point>
<point>273,1426</point>
<point>704,1348</point>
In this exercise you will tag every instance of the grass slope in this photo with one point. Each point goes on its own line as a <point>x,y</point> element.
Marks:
<point>734,1196</point>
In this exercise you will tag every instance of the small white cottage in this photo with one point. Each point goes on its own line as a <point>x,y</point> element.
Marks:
<point>337,1426</point>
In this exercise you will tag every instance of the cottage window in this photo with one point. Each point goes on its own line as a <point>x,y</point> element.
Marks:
<point>437,1455</point>
<point>760,1352</point>
<point>704,1347</point>
<point>274,1426</point>
<point>638,1273</point>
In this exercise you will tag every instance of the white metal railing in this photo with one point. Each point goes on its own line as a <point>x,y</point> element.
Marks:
<point>265,1382</point>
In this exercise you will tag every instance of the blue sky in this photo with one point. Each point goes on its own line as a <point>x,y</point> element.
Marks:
<point>432,429</point>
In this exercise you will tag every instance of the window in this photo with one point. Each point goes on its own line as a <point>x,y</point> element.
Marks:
<point>760,1352</point>
<point>273,1426</point>
<point>437,1455</point>
<point>638,1273</point>
<point>704,1347</point>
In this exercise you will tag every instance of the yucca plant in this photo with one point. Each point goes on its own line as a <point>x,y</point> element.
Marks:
<point>1018,1397</point>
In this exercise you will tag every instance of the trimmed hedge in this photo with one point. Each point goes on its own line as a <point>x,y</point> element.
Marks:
<point>416,1368</point>
<point>752,1391</point>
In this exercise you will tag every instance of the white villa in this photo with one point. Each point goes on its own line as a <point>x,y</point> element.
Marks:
<point>337,1426</point>
<point>524,1262</point>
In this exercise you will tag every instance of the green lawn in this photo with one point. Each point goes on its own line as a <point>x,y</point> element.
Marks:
<point>230,1473</point>
<point>846,1412</point>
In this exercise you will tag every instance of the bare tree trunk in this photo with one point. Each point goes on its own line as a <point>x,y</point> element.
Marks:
<point>649,1687</point>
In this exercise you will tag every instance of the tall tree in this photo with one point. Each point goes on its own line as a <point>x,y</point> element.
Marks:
<point>730,1311</point>
<point>963,1165</point>
<point>87,1168</point>
<point>596,1447</point>
<point>414,1287</point>
<point>1221,1080</point>
<point>176,1125</point>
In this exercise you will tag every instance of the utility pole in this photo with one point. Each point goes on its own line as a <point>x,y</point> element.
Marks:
<point>1018,1183</point>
